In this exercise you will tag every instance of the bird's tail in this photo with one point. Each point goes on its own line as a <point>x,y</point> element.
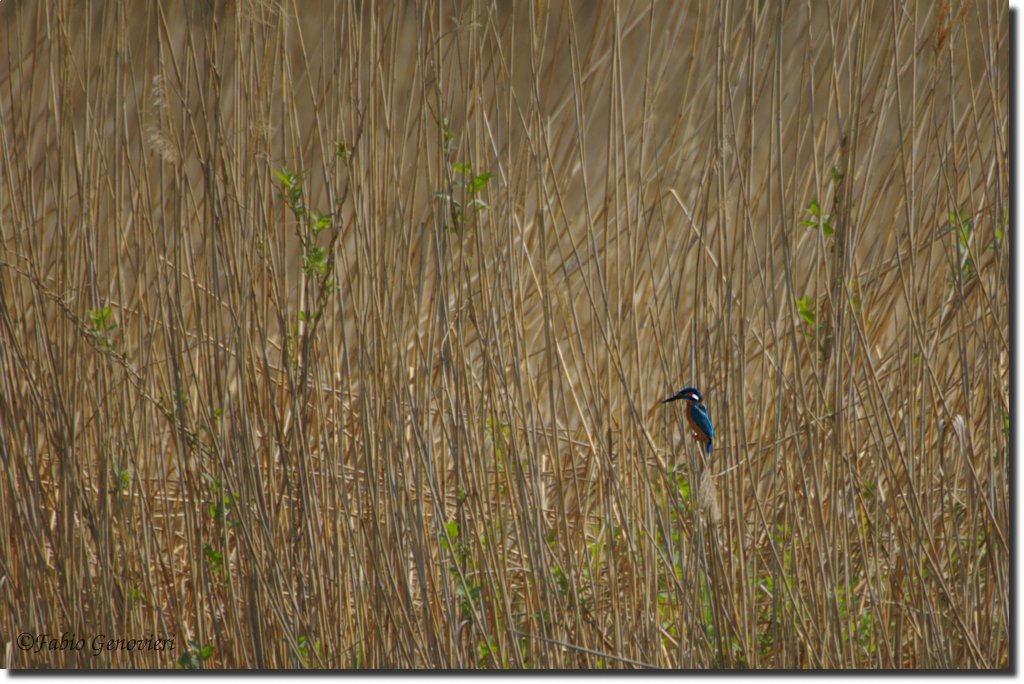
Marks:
<point>709,448</point>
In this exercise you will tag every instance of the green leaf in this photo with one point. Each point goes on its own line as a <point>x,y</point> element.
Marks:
<point>485,648</point>
<point>321,221</point>
<point>193,656</point>
<point>316,260</point>
<point>287,178</point>
<point>480,181</point>
<point>806,310</point>
<point>684,490</point>
<point>343,151</point>
<point>215,557</point>
<point>101,319</point>
<point>961,221</point>
<point>817,220</point>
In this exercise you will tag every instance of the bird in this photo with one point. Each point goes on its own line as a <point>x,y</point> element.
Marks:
<point>697,415</point>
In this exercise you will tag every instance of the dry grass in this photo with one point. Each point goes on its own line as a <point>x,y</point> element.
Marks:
<point>428,436</point>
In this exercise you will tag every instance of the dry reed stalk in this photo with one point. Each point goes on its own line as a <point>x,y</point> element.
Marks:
<point>424,437</point>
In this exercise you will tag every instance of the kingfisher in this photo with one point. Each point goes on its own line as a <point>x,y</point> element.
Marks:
<point>697,415</point>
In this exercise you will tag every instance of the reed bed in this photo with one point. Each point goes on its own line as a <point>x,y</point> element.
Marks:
<point>333,335</point>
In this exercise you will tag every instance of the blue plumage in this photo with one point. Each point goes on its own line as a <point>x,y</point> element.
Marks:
<point>700,421</point>
<point>696,415</point>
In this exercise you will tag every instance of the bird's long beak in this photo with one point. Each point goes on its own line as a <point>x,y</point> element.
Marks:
<point>673,398</point>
